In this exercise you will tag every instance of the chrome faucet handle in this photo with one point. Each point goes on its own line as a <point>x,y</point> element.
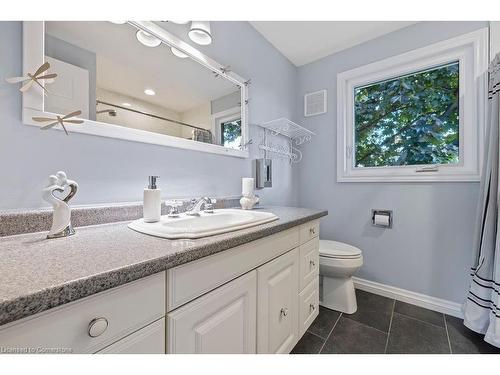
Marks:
<point>173,207</point>
<point>210,205</point>
<point>209,208</point>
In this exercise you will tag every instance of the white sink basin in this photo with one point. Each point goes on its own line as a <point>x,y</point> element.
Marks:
<point>220,221</point>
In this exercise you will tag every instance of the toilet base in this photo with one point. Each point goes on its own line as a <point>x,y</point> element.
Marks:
<point>338,294</point>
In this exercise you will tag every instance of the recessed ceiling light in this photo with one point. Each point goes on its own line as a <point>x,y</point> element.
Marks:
<point>147,39</point>
<point>200,32</point>
<point>178,53</point>
<point>149,92</point>
<point>118,22</point>
<point>126,104</point>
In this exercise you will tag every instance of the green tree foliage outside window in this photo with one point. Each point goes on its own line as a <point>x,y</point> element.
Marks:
<point>408,120</point>
<point>231,134</point>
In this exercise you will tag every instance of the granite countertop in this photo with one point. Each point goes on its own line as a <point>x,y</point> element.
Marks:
<point>37,274</point>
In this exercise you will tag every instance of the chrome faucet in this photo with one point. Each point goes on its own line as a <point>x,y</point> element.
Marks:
<point>196,205</point>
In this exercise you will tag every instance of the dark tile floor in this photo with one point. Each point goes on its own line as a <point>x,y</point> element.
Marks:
<point>383,325</point>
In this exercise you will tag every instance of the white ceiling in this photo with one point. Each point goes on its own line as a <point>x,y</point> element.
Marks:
<point>303,42</point>
<point>126,66</point>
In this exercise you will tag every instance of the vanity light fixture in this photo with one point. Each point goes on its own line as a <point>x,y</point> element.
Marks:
<point>200,32</point>
<point>147,39</point>
<point>149,92</point>
<point>178,53</point>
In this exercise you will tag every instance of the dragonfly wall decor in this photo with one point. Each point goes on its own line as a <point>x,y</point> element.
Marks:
<point>59,120</point>
<point>30,79</point>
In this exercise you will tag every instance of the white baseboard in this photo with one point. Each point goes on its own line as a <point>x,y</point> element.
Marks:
<point>418,299</point>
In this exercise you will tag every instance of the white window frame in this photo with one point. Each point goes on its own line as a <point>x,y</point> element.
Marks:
<point>471,51</point>
<point>218,118</point>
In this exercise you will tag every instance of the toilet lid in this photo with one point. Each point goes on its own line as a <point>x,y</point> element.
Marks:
<point>334,249</point>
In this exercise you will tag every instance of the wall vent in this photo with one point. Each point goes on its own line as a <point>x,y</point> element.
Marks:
<point>315,103</point>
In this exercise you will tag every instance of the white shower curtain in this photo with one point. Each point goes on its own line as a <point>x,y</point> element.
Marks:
<point>482,307</point>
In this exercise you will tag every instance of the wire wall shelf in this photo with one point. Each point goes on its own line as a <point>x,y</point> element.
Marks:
<point>290,129</point>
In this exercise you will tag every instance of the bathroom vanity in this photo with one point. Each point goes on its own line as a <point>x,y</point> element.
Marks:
<point>109,289</point>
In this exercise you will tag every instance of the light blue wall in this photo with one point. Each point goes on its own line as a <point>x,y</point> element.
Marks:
<point>428,250</point>
<point>111,170</point>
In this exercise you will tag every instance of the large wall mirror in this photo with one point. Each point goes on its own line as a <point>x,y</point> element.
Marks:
<point>135,81</point>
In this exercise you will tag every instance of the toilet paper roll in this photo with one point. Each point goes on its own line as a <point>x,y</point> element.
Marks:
<point>382,220</point>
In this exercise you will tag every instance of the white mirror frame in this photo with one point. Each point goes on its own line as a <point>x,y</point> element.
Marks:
<point>33,99</point>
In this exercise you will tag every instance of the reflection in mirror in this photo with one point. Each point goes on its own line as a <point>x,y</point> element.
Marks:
<point>118,75</point>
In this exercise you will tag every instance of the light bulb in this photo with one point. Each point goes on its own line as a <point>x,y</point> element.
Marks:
<point>178,53</point>
<point>200,32</point>
<point>147,39</point>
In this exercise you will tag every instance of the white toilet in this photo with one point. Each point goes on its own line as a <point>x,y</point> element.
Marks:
<point>337,263</point>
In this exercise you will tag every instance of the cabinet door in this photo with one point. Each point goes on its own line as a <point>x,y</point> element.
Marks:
<point>222,321</point>
<point>277,315</point>
<point>147,340</point>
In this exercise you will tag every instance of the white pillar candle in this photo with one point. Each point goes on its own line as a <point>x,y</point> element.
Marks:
<point>247,184</point>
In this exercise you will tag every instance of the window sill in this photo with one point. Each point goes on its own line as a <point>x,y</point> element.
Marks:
<point>413,177</point>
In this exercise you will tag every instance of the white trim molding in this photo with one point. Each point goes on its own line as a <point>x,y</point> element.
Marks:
<point>33,100</point>
<point>471,52</point>
<point>403,295</point>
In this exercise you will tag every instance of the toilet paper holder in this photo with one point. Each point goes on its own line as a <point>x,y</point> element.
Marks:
<point>387,213</point>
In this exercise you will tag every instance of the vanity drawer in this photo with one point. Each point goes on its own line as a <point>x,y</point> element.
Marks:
<point>309,231</point>
<point>108,316</point>
<point>309,262</point>
<point>189,281</point>
<point>308,305</point>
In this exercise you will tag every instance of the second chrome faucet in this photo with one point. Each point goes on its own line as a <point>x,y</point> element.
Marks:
<point>197,204</point>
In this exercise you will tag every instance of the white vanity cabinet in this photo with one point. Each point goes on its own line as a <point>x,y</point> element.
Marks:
<point>93,323</point>
<point>259,297</point>
<point>278,315</point>
<point>221,322</point>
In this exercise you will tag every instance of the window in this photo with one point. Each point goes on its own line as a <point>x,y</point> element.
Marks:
<point>414,117</point>
<point>230,132</point>
<point>226,126</point>
<point>409,120</point>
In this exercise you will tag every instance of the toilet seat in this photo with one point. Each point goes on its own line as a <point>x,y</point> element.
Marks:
<point>339,250</point>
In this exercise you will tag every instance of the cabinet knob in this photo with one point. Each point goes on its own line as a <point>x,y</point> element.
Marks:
<point>312,263</point>
<point>312,307</point>
<point>284,311</point>
<point>97,326</point>
<point>312,230</point>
